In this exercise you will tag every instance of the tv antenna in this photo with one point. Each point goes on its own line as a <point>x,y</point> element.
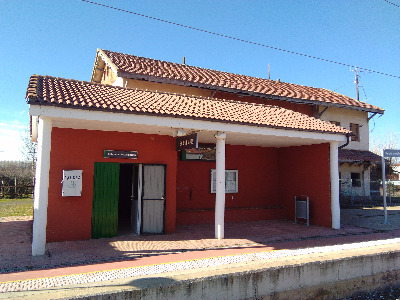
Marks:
<point>356,81</point>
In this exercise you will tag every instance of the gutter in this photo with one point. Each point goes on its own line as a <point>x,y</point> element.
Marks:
<point>348,135</point>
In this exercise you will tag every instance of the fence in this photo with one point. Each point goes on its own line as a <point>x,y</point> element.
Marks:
<point>16,191</point>
<point>354,192</point>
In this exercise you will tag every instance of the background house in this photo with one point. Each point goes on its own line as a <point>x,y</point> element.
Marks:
<point>355,159</point>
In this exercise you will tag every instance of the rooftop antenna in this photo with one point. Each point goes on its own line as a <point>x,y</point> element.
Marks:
<point>268,73</point>
<point>184,61</point>
<point>356,81</point>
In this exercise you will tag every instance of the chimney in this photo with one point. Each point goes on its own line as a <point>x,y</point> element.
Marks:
<point>278,80</point>
<point>184,61</point>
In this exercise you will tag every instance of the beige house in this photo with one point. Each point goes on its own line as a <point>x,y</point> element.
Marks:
<point>355,159</point>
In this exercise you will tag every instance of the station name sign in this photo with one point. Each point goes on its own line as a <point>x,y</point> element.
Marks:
<point>120,154</point>
<point>391,153</point>
<point>187,142</point>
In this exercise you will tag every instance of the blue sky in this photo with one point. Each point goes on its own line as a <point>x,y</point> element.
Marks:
<point>60,38</point>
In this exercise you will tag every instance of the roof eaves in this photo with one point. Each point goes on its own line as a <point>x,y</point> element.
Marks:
<point>98,66</point>
<point>152,114</point>
<point>31,92</point>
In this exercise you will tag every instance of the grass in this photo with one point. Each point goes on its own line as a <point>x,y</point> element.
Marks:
<point>16,207</point>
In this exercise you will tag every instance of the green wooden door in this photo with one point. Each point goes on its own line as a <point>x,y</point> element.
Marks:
<point>105,200</point>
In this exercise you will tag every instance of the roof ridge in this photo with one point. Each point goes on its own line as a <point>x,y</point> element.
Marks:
<point>196,67</point>
<point>213,70</point>
<point>235,82</point>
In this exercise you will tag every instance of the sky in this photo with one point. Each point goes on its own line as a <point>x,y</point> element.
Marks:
<point>60,38</point>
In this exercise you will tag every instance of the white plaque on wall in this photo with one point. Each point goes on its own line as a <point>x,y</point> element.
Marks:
<point>72,183</point>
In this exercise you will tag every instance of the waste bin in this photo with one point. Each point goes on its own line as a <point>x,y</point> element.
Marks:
<point>302,209</point>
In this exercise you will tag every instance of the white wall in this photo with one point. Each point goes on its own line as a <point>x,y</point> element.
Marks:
<point>346,187</point>
<point>345,117</point>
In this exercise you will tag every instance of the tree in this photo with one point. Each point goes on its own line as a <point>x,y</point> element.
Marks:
<point>29,151</point>
<point>389,140</point>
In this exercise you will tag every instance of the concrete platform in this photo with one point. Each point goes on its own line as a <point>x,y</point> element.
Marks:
<point>278,259</point>
<point>328,271</point>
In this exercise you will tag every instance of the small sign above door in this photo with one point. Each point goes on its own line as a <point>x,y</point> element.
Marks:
<point>187,142</point>
<point>120,154</point>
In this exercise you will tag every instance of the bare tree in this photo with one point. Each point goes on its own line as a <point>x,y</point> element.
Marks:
<point>389,140</point>
<point>29,151</point>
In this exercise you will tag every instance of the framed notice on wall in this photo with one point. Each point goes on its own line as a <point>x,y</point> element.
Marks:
<point>72,183</point>
<point>231,181</point>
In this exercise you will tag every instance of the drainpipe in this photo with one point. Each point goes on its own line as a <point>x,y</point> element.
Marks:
<point>348,135</point>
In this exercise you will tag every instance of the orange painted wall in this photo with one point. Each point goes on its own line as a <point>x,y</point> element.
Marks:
<point>269,178</point>
<point>305,170</point>
<point>302,108</point>
<point>69,218</point>
<point>258,187</point>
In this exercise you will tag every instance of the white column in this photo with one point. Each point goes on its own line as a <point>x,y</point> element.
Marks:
<point>334,167</point>
<point>41,187</point>
<point>220,185</point>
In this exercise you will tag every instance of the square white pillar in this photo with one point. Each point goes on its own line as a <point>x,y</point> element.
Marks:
<point>41,187</point>
<point>220,185</point>
<point>334,172</point>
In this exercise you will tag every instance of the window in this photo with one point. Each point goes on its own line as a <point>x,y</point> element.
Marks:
<point>335,123</point>
<point>231,181</point>
<point>356,179</point>
<point>355,129</point>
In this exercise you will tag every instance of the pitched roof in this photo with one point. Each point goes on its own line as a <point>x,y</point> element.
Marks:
<point>130,66</point>
<point>46,90</point>
<point>349,155</point>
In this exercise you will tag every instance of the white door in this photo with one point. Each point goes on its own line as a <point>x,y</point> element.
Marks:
<point>153,200</point>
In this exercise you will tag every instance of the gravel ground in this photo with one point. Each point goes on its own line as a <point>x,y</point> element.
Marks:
<point>388,293</point>
<point>372,218</point>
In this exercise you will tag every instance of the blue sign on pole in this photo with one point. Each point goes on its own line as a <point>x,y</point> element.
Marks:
<point>391,153</point>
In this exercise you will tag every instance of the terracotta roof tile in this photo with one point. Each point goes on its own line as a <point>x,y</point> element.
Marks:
<point>156,70</point>
<point>46,90</point>
<point>349,155</point>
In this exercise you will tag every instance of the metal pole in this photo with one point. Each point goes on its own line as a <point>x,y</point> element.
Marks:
<point>384,187</point>
<point>358,92</point>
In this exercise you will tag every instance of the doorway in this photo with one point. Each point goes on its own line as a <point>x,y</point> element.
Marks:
<point>127,194</point>
<point>128,199</point>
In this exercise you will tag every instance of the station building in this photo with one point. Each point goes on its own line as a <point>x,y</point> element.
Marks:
<point>148,145</point>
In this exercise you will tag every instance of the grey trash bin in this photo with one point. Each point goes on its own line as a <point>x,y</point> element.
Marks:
<point>302,209</point>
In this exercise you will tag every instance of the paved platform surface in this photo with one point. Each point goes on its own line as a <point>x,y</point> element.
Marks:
<point>103,261</point>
